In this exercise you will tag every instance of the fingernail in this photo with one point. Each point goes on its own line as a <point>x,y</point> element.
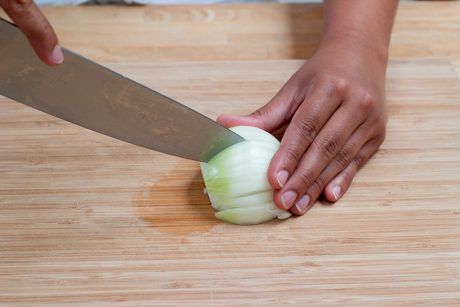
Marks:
<point>288,199</point>
<point>336,191</point>
<point>282,177</point>
<point>302,204</point>
<point>57,55</point>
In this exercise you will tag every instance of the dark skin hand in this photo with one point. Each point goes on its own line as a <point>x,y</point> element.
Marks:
<point>335,104</point>
<point>31,21</point>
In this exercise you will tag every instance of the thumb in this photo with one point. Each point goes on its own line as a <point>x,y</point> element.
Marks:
<point>229,121</point>
<point>272,116</point>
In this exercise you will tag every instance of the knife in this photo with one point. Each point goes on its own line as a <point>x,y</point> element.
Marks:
<point>92,96</point>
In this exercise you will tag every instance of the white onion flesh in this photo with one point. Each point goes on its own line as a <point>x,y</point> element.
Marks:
<point>236,179</point>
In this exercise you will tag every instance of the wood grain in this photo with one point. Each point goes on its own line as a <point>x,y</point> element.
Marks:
<point>87,220</point>
<point>249,31</point>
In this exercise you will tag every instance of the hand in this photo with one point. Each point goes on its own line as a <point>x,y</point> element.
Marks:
<point>335,105</point>
<point>26,15</point>
<point>337,111</point>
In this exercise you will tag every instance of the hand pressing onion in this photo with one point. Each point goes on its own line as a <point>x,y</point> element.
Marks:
<point>236,179</point>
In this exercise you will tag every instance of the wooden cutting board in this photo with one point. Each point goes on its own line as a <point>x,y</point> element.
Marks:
<point>89,220</point>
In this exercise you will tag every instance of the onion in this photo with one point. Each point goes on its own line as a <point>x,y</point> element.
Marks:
<point>236,179</point>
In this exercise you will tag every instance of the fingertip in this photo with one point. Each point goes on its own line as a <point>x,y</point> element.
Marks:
<point>57,57</point>
<point>288,199</point>
<point>233,120</point>
<point>222,119</point>
<point>282,177</point>
<point>51,57</point>
<point>329,192</point>
<point>337,192</point>
<point>294,210</point>
<point>277,174</point>
<point>298,211</point>
<point>302,205</point>
<point>336,188</point>
<point>277,199</point>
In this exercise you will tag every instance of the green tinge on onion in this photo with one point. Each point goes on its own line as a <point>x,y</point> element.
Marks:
<point>236,179</point>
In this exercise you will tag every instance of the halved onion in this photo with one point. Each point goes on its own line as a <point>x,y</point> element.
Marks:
<point>236,179</point>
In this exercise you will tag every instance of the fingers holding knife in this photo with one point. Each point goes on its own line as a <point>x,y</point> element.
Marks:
<point>31,21</point>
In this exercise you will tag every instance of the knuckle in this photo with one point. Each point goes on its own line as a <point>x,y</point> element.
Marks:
<point>365,102</point>
<point>291,157</point>
<point>307,130</point>
<point>306,179</point>
<point>41,29</point>
<point>319,184</point>
<point>359,159</point>
<point>334,84</point>
<point>46,28</point>
<point>328,146</point>
<point>343,157</point>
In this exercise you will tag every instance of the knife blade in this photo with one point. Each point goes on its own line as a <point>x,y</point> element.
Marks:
<point>92,96</point>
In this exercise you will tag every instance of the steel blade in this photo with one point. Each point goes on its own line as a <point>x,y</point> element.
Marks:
<point>94,97</point>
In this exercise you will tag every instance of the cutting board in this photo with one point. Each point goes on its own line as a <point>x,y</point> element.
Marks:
<point>90,220</point>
